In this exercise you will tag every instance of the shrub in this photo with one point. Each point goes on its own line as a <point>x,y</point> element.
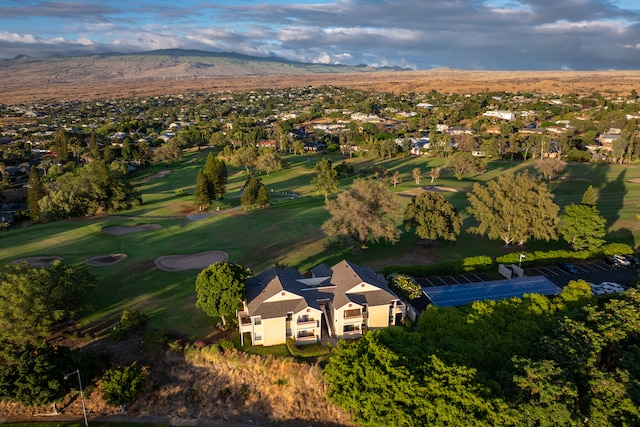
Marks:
<point>405,285</point>
<point>226,345</point>
<point>616,248</point>
<point>155,340</point>
<point>129,320</point>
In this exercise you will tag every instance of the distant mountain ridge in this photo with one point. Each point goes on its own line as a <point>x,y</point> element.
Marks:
<point>160,65</point>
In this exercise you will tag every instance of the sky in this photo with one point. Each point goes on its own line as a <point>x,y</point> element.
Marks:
<point>417,34</point>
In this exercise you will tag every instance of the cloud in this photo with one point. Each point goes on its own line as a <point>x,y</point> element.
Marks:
<point>469,34</point>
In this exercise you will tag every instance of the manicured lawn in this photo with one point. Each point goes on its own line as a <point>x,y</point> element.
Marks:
<point>288,233</point>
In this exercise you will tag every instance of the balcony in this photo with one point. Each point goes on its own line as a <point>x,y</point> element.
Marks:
<point>306,323</point>
<point>351,334</point>
<point>353,318</point>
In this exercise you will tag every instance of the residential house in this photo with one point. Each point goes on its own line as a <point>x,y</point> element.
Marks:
<point>340,301</point>
<point>501,114</point>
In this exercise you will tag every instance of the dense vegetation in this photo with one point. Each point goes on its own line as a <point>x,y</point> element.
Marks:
<point>570,361</point>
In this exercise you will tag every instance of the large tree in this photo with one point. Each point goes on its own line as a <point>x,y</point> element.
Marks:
<point>32,300</point>
<point>326,180</point>
<point>254,193</point>
<point>367,211</point>
<point>514,209</point>
<point>34,194</point>
<point>201,192</point>
<point>215,171</point>
<point>433,217</point>
<point>550,167</point>
<point>122,385</point>
<point>581,225</point>
<point>221,288</point>
<point>463,162</point>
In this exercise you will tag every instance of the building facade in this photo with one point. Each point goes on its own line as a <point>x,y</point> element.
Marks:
<point>341,301</point>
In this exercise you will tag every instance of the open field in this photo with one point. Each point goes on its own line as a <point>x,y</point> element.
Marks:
<point>288,233</point>
<point>25,87</point>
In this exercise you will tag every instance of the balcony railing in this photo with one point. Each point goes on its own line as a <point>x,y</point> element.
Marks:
<point>353,319</point>
<point>306,324</point>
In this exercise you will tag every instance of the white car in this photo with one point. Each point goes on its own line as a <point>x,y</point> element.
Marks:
<point>622,260</point>
<point>612,287</point>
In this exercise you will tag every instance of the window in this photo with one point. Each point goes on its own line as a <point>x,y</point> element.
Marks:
<point>289,317</point>
<point>351,328</point>
<point>257,321</point>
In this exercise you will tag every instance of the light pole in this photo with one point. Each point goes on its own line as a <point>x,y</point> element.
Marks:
<point>520,262</point>
<point>84,410</point>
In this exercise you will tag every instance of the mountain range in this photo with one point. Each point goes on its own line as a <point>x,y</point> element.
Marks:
<point>161,65</point>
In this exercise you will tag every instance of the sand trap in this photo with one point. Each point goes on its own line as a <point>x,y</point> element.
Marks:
<point>101,260</point>
<point>157,175</point>
<point>437,188</point>
<point>634,180</point>
<point>38,261</point>
<point>197,261</point>
<point>119,229</point>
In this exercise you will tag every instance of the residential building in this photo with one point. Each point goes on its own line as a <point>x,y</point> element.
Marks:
<point>501,114</point>
<point>340,301</point>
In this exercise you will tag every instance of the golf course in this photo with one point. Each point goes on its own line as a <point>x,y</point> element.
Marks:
<point>147,258</point>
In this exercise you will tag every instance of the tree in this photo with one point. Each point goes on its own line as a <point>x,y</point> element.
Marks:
<point>221,288</point>
<point>396,179</point>
<point>253,190</point>
<point>417,175</point>
<point>463,162</point>
<point>34,194</point>
<point>550,168</point>
<point>583,227</point>
<point>589,197</point>
<point>122,385</point>
<point>367,211</point>
<point>201,194</point>
<point>269,161</point>
<point>434,173</point>
<point>326,180</point>
<point>168,152</point>
<point>433,217</point>
<point>513,209</point>
<point>215,170</point>
<point>35,375</point>
<point>32,300</point>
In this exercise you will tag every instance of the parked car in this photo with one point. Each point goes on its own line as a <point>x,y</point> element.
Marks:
<point>613,261</point>
<point>622,260</point>
<point>568,267</point>
<point>612,287</point>
<point>633,260</point>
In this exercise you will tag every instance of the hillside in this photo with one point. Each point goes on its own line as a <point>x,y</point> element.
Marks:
<point>26,79</point>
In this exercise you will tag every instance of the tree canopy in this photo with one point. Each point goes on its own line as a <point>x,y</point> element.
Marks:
<point>367,211</point>
<point>122,385</point>
<point>326,181</point>
<point>221,288</point>
<point>463,162</point>
<point>514,209</point>
<point>583,227</point>
<point>520,361</point>
<point>433,217</point>
<point>32,300</point>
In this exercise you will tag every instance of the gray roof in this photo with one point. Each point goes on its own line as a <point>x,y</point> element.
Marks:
<point>342,277</point>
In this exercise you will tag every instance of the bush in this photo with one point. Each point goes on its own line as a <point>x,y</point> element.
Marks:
<point>226,345</point>
<point>129,320</point>
<point>155,340</point>
<point>616,248</point>
<point>405,285</point>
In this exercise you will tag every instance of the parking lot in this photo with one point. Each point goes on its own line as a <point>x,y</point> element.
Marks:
<point>594,272</point>
<point>459,279</point>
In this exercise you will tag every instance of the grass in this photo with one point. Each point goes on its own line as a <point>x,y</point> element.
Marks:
<point>288,233</point>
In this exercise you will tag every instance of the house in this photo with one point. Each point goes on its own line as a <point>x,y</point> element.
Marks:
<point>501,114</point>
<point>340,301</point>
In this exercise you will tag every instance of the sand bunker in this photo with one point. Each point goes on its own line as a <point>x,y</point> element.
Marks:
<point>197,261</point>
<point>157,175</point>
<point>38,261</point>
<point>101,260</point>
<point>437,188</point>
<point>119,229</point>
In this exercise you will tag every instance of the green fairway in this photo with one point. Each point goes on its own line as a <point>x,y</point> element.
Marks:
<point>288,233</point>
